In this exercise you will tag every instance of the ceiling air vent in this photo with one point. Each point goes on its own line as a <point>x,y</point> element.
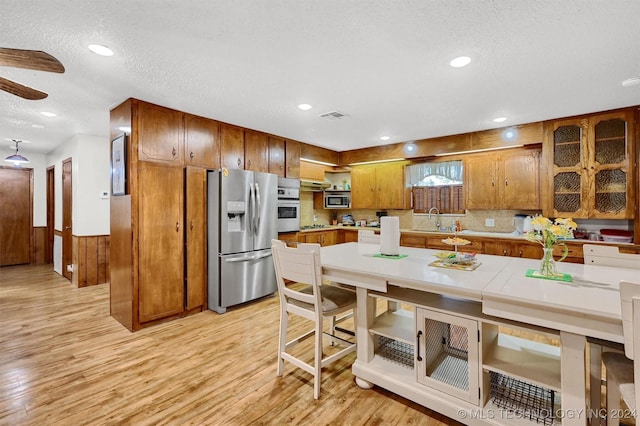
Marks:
<point>333,115</point>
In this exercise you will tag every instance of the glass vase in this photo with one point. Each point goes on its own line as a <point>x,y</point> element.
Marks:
<point>548,264</point>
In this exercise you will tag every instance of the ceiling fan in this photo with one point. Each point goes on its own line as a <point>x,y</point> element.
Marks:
<point>29,59</point>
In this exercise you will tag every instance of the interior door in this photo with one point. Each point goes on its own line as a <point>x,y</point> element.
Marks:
<point>67,230</point>
<point>16,212</point>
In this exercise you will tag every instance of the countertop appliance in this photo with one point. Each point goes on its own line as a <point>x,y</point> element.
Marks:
<point>288,205</point>
<point>241,224</point>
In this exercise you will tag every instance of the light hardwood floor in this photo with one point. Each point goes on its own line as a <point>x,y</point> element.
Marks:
<point>64,360</point>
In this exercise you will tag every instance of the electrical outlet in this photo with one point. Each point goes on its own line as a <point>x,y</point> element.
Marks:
<point>490,223</point>
<point>70,268</point>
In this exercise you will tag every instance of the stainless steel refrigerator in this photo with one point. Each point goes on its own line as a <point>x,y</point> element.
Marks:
<point>241,222</point>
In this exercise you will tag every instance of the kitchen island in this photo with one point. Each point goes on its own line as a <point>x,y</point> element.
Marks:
<point>448,351</point>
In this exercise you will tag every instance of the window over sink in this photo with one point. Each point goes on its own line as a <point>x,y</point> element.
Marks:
<point>436,184</point>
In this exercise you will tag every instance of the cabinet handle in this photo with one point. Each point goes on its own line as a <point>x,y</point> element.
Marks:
<point>239,162</point>
<point>520,253</point>
<point>248,163</point>
<point>504,252</point>
<point>174,152</point>
<point>418,357</point>
<point>506,182</point>
<point>281,168</point>
<point>493,182</point>
<point>177,226</point>
<point>191,155</point>
<point>191,225</point>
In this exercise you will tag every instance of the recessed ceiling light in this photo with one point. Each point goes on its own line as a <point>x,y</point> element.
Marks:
<point>500,119</point>
<point>305,107</point>
<point>385,138</point>
<point>48,114</point>
<point>633,81</point>
<point>37,126</point>
<point>101,50</point>
<point>460,61</point>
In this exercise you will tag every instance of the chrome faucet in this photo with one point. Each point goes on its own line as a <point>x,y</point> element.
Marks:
<point>437,217</point>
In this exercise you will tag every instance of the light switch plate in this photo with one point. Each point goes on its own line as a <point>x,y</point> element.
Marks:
<point>490,223</point>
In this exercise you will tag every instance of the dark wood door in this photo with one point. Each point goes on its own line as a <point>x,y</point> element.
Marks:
<point>67,226</point>
<point>161,242</point>
<point>196,235</point>
<point>16,212</point>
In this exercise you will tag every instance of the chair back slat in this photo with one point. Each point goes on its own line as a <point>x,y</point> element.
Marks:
<point>629,295</point>
<point>299,264</point>
<point>596,254</point>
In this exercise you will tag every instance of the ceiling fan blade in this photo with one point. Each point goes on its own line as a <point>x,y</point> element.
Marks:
<point>21,90</point>
<point>30,59</point>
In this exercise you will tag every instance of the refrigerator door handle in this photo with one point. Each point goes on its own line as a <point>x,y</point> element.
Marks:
<point>252,209</point>
<point>258,208</point>
<point>263,255</point>
<point>248,258</point>
<point>241,259</point>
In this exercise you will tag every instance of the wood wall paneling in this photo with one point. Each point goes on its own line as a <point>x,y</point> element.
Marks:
<point>39,248</point>
<point>90,260</point>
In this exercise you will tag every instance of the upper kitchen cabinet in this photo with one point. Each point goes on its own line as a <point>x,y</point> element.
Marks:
<point>160,134</point>
<point>589,167</point>
<point>292,162</point>
<point>202,147</point>
<point>276,156</point>
<point>231,147</point>
<point>256,151</point>
<point>379,186</point>
<point>503,180</point>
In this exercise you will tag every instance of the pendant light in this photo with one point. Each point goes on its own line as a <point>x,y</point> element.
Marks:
<point>16,158</point>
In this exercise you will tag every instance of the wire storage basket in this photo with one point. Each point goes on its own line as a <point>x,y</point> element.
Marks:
<point>525,399</point>
<point>393,350</point>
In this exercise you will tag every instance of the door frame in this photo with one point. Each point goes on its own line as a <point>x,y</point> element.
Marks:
<point>67,230</point>
<point>51,209</point>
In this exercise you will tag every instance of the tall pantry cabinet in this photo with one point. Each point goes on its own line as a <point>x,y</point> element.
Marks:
<point>158,227</point>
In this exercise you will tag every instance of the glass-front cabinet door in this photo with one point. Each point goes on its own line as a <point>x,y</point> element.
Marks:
<point>609,142</point>
<point>570,184</point>
<point>590,160</point>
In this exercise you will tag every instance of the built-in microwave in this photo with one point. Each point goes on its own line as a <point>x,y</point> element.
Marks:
<point>337,200</point>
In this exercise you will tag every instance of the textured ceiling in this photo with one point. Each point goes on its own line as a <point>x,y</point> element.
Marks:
<point>382,63</point>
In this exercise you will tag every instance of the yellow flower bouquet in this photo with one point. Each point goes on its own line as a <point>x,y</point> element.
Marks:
<point>549,233</point>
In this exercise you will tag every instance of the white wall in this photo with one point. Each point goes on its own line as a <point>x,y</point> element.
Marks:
<point>90,165</point>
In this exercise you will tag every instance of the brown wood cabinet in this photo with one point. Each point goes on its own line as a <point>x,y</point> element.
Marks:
<point>158,245</point>
<point>503,180</point>
<point>379,186</point>
<point>288,237</point>
<point>160,242</point>
<point>195,231</point>
<point>292,161</point>
<point>231,147</point>
<point>324,238</point>
<point>160,134</point>
<point>276,156</point>
<point>312,171</point>
<point>256,151</point>
<point>589,166</point>
<point>201,137</point>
